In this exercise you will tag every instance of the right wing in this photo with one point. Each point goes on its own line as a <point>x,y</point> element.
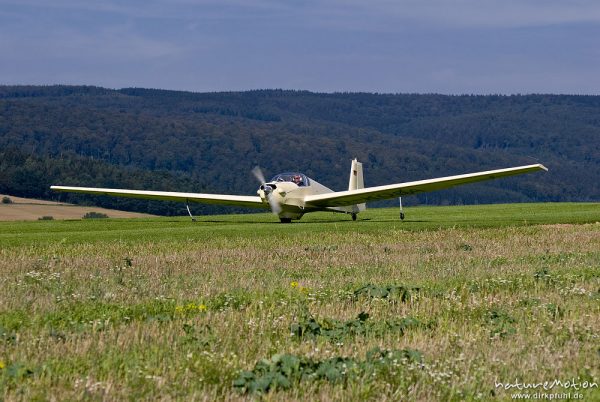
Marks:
<point>221,199</point>
<point>351,197</point>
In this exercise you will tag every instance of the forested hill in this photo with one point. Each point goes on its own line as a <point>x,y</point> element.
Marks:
<point>209,142</point>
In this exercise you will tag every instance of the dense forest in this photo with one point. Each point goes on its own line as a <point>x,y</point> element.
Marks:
<point>209,142</point>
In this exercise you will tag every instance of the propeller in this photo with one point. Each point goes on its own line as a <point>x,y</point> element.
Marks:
<point>275,207</point>
<point>259,175</point>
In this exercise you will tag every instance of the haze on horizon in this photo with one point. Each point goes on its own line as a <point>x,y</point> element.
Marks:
<point>417,46</point>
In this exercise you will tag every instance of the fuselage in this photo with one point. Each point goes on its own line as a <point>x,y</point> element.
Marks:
<point>289,190</point>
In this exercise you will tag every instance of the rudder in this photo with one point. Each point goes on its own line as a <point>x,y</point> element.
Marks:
<point>356,182</point>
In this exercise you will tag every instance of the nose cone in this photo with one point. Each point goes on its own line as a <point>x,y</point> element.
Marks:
<point>264,190</point>
<point>276,194</point>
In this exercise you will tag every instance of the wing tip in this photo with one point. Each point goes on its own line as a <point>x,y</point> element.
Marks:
<point>57,188</point>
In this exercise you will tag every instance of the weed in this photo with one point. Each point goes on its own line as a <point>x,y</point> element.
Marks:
<point>501,324</point>
<point>385,292</point>
<point>190,308</point>
<point>284,371</point>
<point>7,336</point>
<point>235,301</point>
<point>543,275</point>
<point>310,328</point>
<point>465,247</point>
<point>11,375</point>
<point>334,330</point>
<point>202,335</point>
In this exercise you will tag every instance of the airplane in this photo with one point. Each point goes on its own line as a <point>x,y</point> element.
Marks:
<point>290,195</point>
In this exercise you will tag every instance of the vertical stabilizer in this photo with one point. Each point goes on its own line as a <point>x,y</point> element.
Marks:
<point>357,182</point>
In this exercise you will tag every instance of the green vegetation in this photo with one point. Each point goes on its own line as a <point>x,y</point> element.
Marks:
<point>281,372</point>
<point>386,291</point>
<point>336,331</point>
<point>94,215</point>
<point>46,218</point>
<point>441,306</point>
<point>6,200</point>
<point>181,141</point>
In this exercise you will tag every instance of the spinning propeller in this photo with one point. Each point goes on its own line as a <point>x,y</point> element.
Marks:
<point>268,190</point>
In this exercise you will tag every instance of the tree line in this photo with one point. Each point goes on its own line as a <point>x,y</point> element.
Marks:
<point>209,142</point>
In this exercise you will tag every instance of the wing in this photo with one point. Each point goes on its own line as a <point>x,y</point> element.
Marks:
<point>342,198</point>
<point>221,199</point>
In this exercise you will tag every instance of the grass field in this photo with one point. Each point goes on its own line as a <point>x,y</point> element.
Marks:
<point>455,303</point>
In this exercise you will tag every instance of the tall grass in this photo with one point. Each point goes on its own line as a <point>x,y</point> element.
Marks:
<point>168,309</point>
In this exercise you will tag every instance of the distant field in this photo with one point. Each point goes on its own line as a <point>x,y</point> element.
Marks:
<point>460,301</point>
<point>28,209</point>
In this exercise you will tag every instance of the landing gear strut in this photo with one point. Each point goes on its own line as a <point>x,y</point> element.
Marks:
<point>189,212</point>
<point>401,211</point>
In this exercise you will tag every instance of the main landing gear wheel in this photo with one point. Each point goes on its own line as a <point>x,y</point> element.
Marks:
<point>402,215</point>
<point>285,220</point>
<point>353,217</point>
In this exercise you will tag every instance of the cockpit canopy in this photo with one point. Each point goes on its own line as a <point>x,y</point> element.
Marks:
<point>294,177</point>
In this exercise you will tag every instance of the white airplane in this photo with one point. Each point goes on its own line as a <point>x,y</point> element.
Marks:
<point>291,195</point>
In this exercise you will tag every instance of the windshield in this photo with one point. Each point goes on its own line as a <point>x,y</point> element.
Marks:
<point>294,177</point>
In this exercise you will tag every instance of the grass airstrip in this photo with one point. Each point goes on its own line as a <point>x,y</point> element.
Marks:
<point>454,303</point>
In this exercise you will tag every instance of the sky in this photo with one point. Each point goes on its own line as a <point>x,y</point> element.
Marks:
<point>385,46</point>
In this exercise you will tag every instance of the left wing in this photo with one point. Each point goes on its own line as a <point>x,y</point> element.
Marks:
<point>343,198</point>
<point>221,199</point>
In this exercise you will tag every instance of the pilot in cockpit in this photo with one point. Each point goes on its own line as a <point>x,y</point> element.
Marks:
<point>298,180</point>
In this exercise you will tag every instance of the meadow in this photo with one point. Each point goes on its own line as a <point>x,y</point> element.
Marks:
<point>454,303</point>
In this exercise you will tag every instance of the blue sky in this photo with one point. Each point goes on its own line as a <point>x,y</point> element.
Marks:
<point>422,46</point>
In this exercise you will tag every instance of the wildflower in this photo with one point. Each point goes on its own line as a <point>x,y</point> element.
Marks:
<point>179,309</point>
<point>2,365</point>
<point>294,284</point>
<point>202,307</point>
<point>304,289</point>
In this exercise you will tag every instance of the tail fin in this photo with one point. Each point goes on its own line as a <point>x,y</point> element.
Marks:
<point>356,182</point>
